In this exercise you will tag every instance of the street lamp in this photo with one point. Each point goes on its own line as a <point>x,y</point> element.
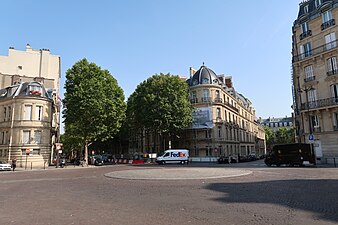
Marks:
<point>306,90</point>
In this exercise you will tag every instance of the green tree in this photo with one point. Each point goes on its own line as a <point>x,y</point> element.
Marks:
<point>269,137</point>
<point>160,105</point>
<point>284,136</point>
<point>94,104</point>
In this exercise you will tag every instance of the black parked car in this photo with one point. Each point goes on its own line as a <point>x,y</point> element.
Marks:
<point>98,162</point>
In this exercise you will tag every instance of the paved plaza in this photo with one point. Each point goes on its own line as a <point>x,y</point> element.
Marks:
<point>245,193</point>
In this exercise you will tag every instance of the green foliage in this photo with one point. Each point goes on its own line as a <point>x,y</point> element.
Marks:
<point>282,136</point>
<point>94,104</point>
<point>161,105</point>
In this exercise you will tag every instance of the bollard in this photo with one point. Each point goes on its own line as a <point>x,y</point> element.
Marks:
<point>31,165</point>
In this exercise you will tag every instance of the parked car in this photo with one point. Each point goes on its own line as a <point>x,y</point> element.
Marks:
<point>5,166</point>
<point>98,162</point>
<point>223,159</point>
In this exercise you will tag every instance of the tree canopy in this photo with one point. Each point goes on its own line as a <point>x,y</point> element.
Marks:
<point>94,106</point>
<point>160,105</point>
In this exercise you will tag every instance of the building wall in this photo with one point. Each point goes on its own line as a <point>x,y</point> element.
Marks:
<point>30,64</point>
<point>324,105</point>
<point>27,66</point>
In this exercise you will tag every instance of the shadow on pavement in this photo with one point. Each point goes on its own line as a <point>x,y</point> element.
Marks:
<point>317,196</point>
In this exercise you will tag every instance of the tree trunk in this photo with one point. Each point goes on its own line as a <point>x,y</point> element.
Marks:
<point>86,154</point>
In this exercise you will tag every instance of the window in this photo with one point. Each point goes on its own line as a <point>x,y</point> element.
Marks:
<point>335,120</point>
<point>315,121</point>
<point>205,95</point>
<point>305,27</point>
<point>28,112</point>
<point>327,16</point>
<point>37,136</point>
<point>334,92</point>
<point>205,81</point>
<point>217,94</point>
<point>218,112</point>
<point>26,137</point>
<point>219,132</point>
<point>306,8</point>
<point>312,95</point>
<point>305,50</point>
<point>308,72</point>
<point>318,3</point>
<point>332,65</point>
<point>38,112</point>
<point>3,138</point>
<point>225,114</point>
<point>330,41</point>
<point>5,113</point>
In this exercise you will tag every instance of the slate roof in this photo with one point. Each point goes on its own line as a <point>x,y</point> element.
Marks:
<point>24,89</point>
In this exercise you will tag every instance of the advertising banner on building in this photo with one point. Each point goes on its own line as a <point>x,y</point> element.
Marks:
<point>202,118</point>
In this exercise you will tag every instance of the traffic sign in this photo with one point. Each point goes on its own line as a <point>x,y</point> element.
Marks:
<point>311,137</point>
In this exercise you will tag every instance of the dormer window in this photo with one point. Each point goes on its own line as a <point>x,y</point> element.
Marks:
<point>205,81</point>
<point>318,3</point>
<point>35,90</point>
<point>306,9</point>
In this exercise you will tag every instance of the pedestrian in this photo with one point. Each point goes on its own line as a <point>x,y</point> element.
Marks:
<point>14,163</point>
<point>229,159</point>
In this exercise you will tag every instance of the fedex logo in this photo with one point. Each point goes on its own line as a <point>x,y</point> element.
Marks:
<point>178,154</point>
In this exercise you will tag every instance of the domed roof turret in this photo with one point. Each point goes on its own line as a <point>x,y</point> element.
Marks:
<point>204,76</point>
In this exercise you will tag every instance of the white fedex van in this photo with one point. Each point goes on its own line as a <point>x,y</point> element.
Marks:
<point>174,156</point>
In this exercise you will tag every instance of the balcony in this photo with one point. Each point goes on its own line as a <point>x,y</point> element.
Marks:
<point>305,34</point>
<point>328,24</point>
<point>218,100</point>
<point>206,99</point>
<point>193,100</point>
<point>315,51</point>
<point>332,72</point>
<point>320,103</point>
<point>308,79</point>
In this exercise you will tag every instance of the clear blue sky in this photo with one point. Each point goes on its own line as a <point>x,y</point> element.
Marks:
<point>134,39</point>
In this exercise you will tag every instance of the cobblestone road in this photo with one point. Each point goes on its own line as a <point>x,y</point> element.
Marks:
<point>87,196</point>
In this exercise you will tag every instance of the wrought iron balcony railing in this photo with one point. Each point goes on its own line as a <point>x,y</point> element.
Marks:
<point>315,51</point>
<point>328,24</point>
<point>308,79</point>
<point>305,34</point>
<point>319,103</point>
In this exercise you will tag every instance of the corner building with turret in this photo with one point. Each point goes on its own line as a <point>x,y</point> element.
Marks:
<point>224,121</point>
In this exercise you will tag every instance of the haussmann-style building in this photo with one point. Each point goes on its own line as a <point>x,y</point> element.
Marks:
<point>224,122</point>
<point>29,106</point>
<point>315,77</point>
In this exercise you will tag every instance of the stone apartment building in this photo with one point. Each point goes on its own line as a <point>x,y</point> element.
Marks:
<point>315,76</point>
<point>224,121</point>
<point>274,123</point>
<point>29,106</point>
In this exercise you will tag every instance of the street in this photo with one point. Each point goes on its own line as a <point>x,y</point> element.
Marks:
<point>98,195</point>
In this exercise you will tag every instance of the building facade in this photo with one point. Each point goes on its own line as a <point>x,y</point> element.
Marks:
<point>224,121</point>
<point>315,76</point>
<point>29,106</point>
<point>276,123</point>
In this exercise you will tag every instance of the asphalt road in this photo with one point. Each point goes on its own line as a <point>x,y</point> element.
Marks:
<point>88,196</point>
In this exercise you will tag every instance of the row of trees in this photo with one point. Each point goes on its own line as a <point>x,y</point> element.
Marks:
<point>282,136</point>
<point>95,108</point>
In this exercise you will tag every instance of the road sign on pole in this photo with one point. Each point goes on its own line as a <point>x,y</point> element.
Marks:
<point>311,137</point>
